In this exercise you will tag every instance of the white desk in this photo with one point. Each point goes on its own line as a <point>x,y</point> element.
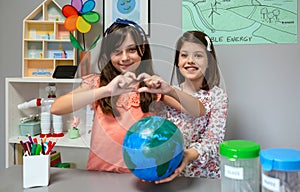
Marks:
<point>74,180</point>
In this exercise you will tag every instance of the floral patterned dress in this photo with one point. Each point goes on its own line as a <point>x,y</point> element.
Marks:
<point>203,133</point>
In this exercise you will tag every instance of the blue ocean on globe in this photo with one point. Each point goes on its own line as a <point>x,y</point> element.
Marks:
<point>153,148</point>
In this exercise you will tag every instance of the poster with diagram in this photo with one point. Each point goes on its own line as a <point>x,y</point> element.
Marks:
<point>243,21</point>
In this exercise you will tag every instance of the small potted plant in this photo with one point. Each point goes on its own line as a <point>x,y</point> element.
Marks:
<point>74,131</point>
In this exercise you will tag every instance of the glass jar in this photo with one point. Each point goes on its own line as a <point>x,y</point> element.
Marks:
<point>280,170</point>
<point>240,166</point>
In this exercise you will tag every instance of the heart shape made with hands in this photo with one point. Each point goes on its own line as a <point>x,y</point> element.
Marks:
<point>153,81</point>
<point>129,81</point>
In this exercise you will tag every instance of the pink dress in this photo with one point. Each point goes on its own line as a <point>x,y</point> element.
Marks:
<point>108,131</point>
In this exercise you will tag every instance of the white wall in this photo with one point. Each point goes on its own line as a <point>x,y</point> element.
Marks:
<point>262,81</point>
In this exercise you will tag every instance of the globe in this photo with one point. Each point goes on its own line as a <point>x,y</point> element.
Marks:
<point>153,148</point>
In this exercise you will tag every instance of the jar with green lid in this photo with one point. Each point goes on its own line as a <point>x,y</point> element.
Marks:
<point>240,169</point>
<point>280,170</point>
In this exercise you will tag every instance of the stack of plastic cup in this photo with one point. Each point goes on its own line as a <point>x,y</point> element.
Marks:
<point>240,168</point>
<point>45,122</point>
<point>57,126</point>
<point>280,170</point>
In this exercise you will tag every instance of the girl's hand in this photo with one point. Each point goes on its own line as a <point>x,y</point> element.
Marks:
<point>177,171</point>
<point>123,83</point>
<point>189,155</point>
<point>155,84</point>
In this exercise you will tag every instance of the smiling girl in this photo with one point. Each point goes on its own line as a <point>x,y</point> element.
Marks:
<point>198,74</point>
<point>202,125</point>
<point>124,54</point>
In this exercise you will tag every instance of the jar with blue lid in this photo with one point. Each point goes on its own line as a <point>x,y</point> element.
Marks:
<point>280,170</point>
<point>240,166</point>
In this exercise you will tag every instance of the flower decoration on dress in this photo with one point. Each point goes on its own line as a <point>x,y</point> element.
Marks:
<point>80,16</point>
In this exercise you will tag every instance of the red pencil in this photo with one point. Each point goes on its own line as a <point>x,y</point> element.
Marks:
<point>23,145</point>
<point>28,147</point>
<point>49,147</point>
<point>35,140</point>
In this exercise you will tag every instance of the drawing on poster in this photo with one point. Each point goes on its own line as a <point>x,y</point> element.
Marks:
<point>242,21</point>
<point>135,10</point>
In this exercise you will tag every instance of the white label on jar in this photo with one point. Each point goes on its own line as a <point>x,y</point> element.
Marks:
<point>234,172</point>
<point>270,183</point>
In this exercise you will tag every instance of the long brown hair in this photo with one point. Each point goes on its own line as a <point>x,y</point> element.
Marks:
<point>113,38</point>
<point>212,74</point>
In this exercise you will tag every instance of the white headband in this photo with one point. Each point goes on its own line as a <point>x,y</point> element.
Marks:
<point>208,48</point>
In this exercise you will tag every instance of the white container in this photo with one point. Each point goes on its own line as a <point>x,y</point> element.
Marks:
<point>239,166</point>
<point>36,170</point>
<point>280,170</point>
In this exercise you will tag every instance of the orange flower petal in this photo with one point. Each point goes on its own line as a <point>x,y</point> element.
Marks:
<point>70,23</point>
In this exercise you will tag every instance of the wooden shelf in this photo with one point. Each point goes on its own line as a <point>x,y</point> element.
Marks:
<point>46,42</point>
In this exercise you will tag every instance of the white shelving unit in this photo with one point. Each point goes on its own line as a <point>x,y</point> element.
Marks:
<point>19,90</point>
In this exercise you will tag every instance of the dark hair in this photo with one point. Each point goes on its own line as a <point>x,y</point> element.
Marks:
<point>113,38</point>
<point>212,75</point>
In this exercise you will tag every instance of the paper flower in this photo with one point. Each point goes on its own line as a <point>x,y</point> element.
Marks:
<point>75,122</point>
<point>80,16</point>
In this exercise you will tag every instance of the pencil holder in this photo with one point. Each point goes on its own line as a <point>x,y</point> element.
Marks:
<point>36,170</point>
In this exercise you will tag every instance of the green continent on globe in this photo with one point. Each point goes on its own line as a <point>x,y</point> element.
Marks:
<point>153,148</point>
